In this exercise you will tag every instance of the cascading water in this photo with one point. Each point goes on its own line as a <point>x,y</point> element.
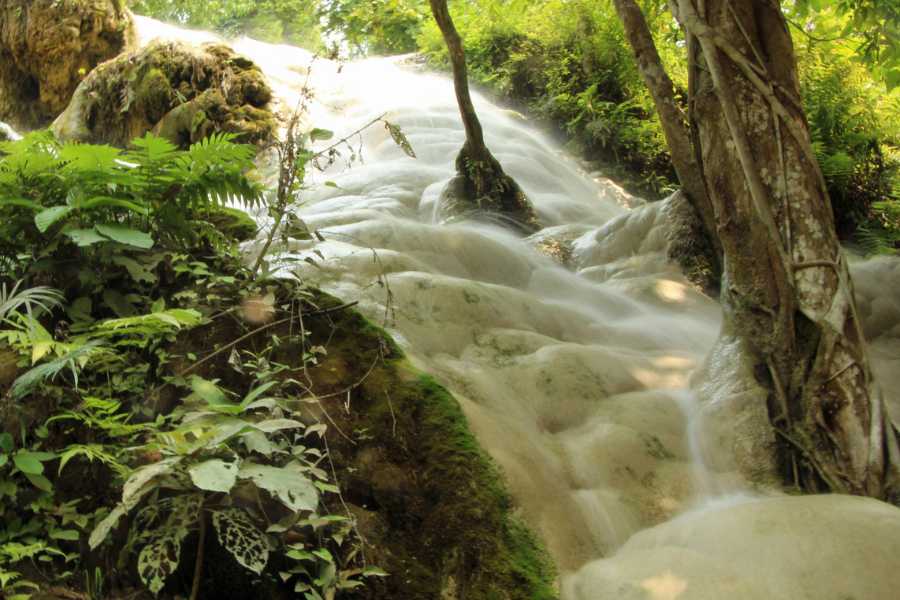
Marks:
<point>574,380</point>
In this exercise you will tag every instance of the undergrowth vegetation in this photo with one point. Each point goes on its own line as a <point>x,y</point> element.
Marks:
<point>119,460</point>
<point>569,63</point>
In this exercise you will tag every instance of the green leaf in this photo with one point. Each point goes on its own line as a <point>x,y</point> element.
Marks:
<point>23,202</point>
<point>324,554</point>
<point>214,475</point>
<point>6,442</point>
<point>273,425</point>
<point>208,391</point>
<point>28,462</point>
<point>294,489</point>
<point>297,554</point>
<point>320,134</point>
<point>158,560</point>
<point>40,482</point>
<point>256,393</point>
<point>118,303</point>
<point>85,237</point>
<point>137,271</point>
<point>85,157</point>
<point>101,531</point>
<point>256,441</point>
<point>242,538</point>
<point>24,384</point>
<point>106,202</point>
<point>70,535</point>
<point>136,486</point>
<point>47,217</point>
<point>126,235</point>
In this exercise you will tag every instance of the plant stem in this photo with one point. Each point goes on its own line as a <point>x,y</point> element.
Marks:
<point>198,564</point>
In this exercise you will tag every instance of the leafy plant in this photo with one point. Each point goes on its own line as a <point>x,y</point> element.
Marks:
<point>106,205</point>
<point>254,444</point>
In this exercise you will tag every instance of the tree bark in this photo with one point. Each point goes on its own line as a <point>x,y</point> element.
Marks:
<point>786,287</point>
<point>484,183</point>
<point>674,121</point>
<point>478,150</point>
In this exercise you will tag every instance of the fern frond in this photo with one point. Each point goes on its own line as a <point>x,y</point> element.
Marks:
<point>43,297</point>
<point>74,360</point>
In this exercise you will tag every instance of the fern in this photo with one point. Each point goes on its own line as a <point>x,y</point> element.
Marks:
<point>74,360</point>
<point>12,300</point>
<point>873,239</point>
<point>108,202</point>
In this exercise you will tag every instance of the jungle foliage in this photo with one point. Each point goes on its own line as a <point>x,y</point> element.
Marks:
<point>569,64</point>
<point>109,258</point>
<point>291,21</point>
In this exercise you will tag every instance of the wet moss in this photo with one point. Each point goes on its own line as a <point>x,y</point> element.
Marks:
<point>234,223</point>
<point>449,528</point>
<point>430,504</point>
<point>46,48</point>
<point>179,92</point>
<point>154,94</point>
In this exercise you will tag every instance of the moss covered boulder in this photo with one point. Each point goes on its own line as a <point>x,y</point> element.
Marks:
<point>429,504</point>
<point>176,90</point>
<point>46,49</point>
<point>482,189</point>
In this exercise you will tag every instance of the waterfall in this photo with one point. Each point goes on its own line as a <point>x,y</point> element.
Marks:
<point>574,378</point>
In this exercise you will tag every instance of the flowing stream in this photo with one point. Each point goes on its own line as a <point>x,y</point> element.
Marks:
<point>575,379</point>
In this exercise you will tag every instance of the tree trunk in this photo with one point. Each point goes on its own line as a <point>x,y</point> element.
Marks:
<point>674,121</point>
<point>701,258</point>
<point>483,182</point>
<point>786,287</point>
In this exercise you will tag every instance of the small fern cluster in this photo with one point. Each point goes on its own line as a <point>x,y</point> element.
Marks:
<point>58,198</point>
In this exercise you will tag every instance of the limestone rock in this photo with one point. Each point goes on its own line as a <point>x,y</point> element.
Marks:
<point>176,90</point>
<point>46,49</point>
<point>785,548</point>
<point>736,438</point>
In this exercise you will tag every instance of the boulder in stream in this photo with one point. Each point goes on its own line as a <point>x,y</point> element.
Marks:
<point>504,200</point>
<point>783,548</point>
<point>176,90</point>
<point>48,46</point>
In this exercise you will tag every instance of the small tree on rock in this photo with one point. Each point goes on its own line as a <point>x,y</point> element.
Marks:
<point>480,180</point>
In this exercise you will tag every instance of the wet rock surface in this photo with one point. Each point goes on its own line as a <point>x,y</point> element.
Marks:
<point>751,549</point>
<point>48,46</point>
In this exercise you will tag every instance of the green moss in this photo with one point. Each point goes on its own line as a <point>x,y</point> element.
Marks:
<point>153,93</point>
<point>180,92</point>
<point>450,520</point>
<point>512,565</point>
<point>430,503</point>
<point>234,223</point>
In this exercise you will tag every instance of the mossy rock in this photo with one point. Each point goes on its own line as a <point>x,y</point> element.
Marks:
<point>482,189</point>
<point>48,46</point>
<point>178,91</point>
<point>234,223</point>
<point>689,246</point>
<point>430,504</point>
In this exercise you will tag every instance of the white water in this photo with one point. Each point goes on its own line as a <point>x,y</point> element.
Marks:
<point>576,382</point>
